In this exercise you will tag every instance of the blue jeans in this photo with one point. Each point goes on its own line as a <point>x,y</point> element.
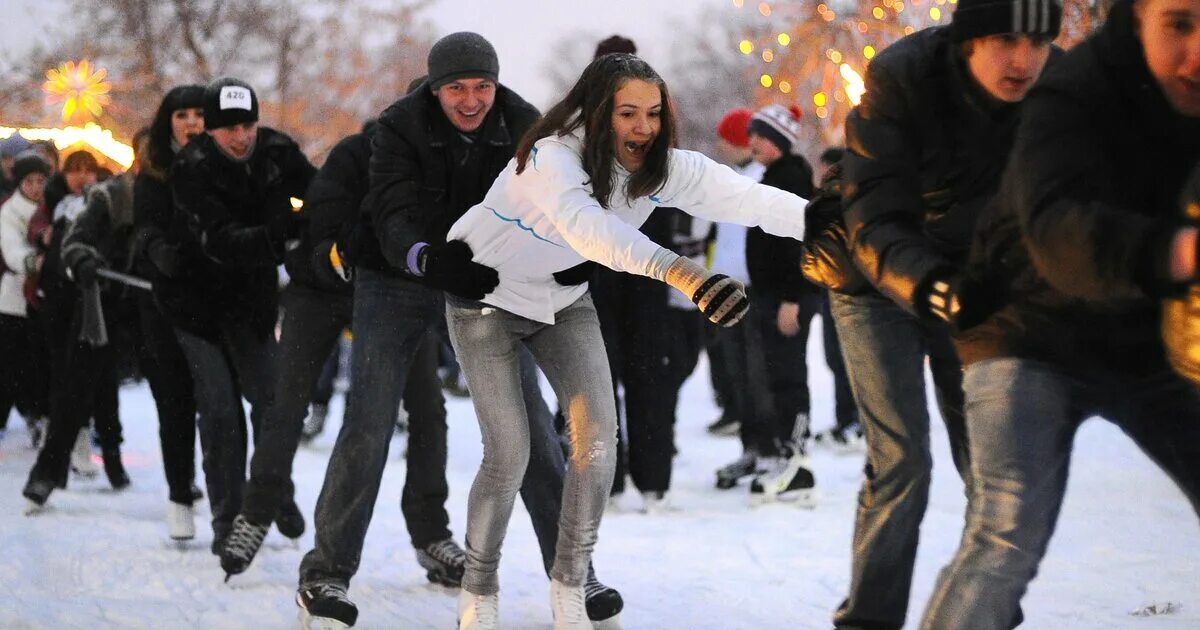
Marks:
<point>392,316</point>
<point>488,342</point>
<point>1023,416</point>
<point>885,349</point>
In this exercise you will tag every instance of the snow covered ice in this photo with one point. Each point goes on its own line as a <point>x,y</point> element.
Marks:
<point>1127,540</point>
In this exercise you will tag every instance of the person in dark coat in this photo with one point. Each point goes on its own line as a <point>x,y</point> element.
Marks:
<point>434,154</point>
<point>925,149</point>
<point>179,118</point>
<point>233,188</point>
<point>317,307</point>
<point>1088,239</point>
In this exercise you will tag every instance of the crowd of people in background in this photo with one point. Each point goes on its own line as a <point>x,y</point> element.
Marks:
<point>993,216</point>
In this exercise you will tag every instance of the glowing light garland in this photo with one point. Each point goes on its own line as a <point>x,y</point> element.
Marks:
<point>90,134</point>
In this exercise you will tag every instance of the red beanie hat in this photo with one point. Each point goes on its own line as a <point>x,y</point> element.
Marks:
<point>732,127</point>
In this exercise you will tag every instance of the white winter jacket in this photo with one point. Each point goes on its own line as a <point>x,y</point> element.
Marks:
<point>14,246</point>
<point>545,220</point>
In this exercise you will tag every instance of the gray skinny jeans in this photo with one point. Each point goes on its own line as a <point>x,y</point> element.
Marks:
<point>571,352</point>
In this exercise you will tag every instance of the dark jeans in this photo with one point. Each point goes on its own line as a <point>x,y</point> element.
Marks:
<point>322,391</point>
<point>21,339</point>
<point>224,370</point>
<point>885,350</point>
<point>1023,417</point>
<point>845,409</point>
<point>392,319</point>
<point>652,348</point>
<point>84,386</point>
<point>312,322</point>
<point>166,369</point>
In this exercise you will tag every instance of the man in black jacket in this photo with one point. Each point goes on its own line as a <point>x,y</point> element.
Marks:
<point>317,307</point>
<point>434,154</point>
<point>233,186</point>
<point>925,149</point>
<point>771,365</point>
<point>1089,242</point>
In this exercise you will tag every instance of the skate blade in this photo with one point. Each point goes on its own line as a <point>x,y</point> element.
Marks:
<point>803,499</point>
<point>306,621</point>
<point>612,623</point>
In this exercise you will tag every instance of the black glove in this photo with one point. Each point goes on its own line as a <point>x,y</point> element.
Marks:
<point>329,264</point>
<point>576,275</point>
<point>448,266</point>
<point>85,271</point>
<point>963,299</point>
<point>284,231</point>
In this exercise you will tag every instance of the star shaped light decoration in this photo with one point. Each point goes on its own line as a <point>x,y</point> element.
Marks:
<point>81,89</point>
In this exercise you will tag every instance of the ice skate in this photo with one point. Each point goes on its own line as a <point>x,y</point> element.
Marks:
<point>443,561</point>
<point>744,466</point>
<point>568,607</point>
<point>243,543</point>
<point>326,606</point>
<point>604,604</point>
<point>181,521</point>
<point>81,456</point>
<point>314,424</point>
<point>791,482</point>
<point>478,612</point>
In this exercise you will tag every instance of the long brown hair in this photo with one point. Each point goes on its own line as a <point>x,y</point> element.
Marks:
<point>589,104</point>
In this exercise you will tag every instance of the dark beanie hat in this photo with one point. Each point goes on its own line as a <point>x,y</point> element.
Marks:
<point>779,125</point>
<point>29,162</point>
<point>228,102</point>
<point>184,97</point>
<point>462,55</point>
<point>615,44</point>
<point>980,18</point>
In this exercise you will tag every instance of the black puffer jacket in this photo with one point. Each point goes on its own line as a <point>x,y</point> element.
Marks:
<point>1094,183</point>
<point>105,228</point>
<point>925,150</point>
<point>774,261</point>
<point>425,175</point>
<point>227,266</point>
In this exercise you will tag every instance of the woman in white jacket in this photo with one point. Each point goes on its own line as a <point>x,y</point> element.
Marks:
<point>18,333</point>
<point>583,180</point>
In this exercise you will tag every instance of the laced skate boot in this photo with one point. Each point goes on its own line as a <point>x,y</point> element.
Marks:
<point>113,468</point>
<point>792,482</point>
<point>81,456</point>
<point>656,502</point>
<point>181,521</point>
<point>244,541</point>
<point>604,603</point>
<point>478,612</point>
<point>289,520</point>
<point>567,604</point>
<point>326,606</point>
<point>443,562</point>
<point>843,441</point>
<point>744,466</point>
<point>314,424</point>
<point>724,426</point>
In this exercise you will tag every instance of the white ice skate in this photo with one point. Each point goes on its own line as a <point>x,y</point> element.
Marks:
<point>792,483</point>
<point>567,604</point>
<point>478,612</point>
<point>81,456</point>
<point>181,521</point>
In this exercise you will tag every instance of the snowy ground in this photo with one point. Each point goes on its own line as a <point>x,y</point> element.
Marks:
<point>96,559</point>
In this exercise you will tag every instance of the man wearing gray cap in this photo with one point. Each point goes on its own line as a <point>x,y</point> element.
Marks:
<point>434,154</point>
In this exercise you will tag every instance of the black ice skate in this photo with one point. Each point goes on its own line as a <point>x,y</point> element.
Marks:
<point>243,542</point>
<point>792,482</point>
<point>604,604</point>
<point>742,467</point>
<point>724,426</point>
<point>289,520</point>
<point>444,562</point>
<point>325,606</point>
<point>114,469</point>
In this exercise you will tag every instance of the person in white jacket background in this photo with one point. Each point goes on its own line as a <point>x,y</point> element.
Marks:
<point>583,179</point>
<point>19,335</point>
